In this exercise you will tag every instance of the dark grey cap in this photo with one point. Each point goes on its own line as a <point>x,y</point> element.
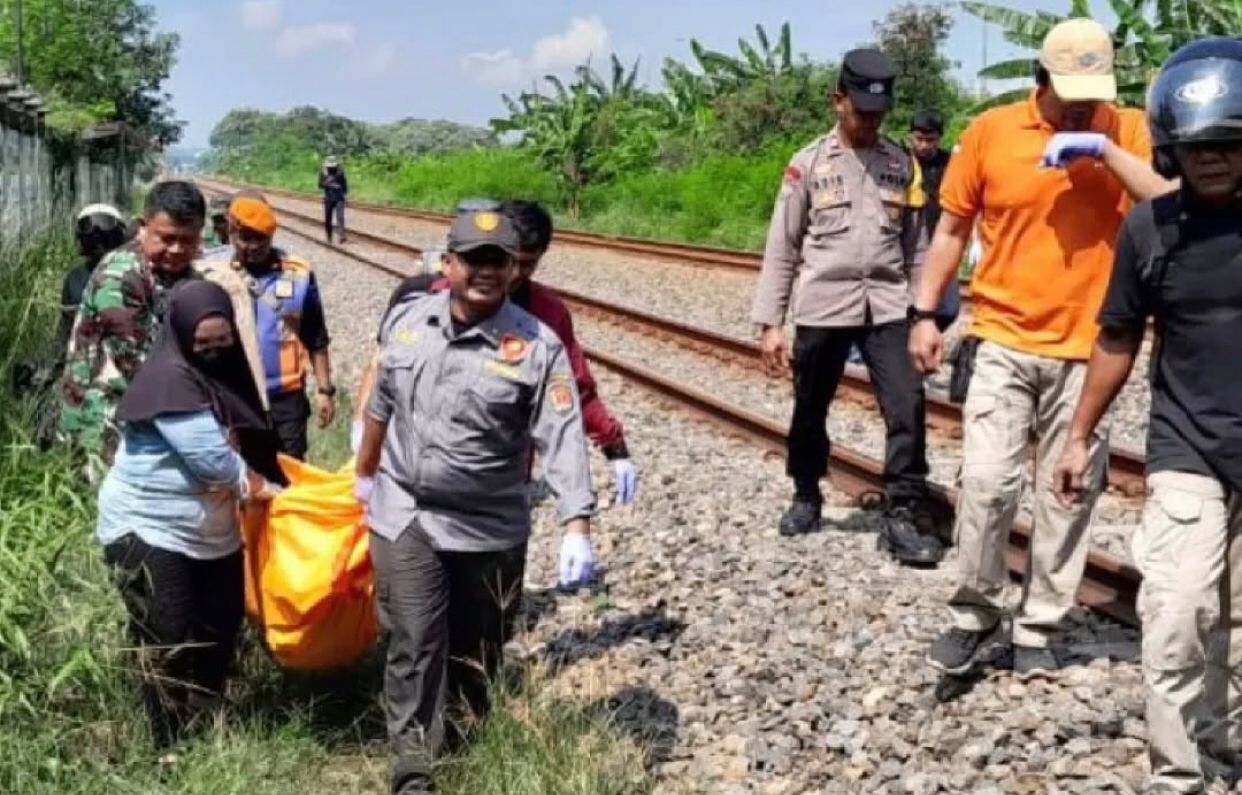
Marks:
<point>475,229</point>
<point>867,75</point>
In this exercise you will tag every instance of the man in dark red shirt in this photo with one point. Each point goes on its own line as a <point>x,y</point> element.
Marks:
<point>534,226</point>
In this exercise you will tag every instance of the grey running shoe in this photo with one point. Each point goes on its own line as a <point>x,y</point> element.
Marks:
<point>959,650</point>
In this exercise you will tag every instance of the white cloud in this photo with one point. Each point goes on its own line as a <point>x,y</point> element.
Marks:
<point>296,41</point>
<point>584,39</point>
<point>495,68</point>
<point>260,14</point>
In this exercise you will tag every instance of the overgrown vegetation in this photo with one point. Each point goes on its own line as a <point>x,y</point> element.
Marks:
<point>698,160</point>
<point>70,721</point>
<point>96,61</point>
<point>1145,34</point>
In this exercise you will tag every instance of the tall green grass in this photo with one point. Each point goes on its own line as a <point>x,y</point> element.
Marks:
<point>721,199</point>
<point>70,719</point>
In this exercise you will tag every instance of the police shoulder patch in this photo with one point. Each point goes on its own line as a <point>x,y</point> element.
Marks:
<point>561,396</point>
<point>296,264</point>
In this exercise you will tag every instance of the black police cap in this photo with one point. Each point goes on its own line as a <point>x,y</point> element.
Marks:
<point>867,76</point>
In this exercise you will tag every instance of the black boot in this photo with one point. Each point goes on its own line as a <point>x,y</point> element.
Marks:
<point>909,535</point>
<point>802,517</point>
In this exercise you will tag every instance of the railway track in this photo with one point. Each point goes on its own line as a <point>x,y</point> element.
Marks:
<point>1109,586</point>
<point>705,256</point>
<point>1126,467</point>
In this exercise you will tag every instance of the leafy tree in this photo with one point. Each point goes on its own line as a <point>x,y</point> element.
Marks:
<point>1146,33</point>
<point>913,37</point>
<point>95,61</point>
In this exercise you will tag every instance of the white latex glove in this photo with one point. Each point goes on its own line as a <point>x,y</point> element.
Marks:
<point>362,489</point>
<point>627,480</point>
<point>355,435</point>
<point>1066,147</point>
<point>577,561</point>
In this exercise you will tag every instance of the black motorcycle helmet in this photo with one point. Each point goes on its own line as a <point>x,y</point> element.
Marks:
<point>1197,97</point>
<point>99,229</point>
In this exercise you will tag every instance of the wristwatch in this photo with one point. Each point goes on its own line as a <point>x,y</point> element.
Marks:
<point>916,315</point>
<point>328,391</point>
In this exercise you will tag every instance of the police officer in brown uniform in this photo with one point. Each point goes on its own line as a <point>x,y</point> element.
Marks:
<point>847,229</point>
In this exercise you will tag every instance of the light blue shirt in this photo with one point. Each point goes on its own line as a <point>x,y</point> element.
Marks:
<point>175,484</point>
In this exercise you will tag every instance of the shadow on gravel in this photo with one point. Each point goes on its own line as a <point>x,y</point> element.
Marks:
<point>645,717</point>
<point>652,626</point>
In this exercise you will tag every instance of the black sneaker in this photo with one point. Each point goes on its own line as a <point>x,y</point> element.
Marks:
<point>959,650</point>
<point>802,517</point>
<point>909,537</point>
<point>1030,662</point>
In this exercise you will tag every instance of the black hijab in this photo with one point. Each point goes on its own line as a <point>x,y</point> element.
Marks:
<point>174,379</point>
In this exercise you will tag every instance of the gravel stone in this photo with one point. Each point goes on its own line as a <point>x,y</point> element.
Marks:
<point>751,663</point>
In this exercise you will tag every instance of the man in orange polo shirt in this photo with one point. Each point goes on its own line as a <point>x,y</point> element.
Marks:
<point>1049,179</point>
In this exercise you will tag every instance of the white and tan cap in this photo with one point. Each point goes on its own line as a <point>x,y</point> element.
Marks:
<point>1078,54</point>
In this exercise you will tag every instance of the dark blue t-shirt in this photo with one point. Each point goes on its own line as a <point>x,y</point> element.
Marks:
<point>1196,302</point>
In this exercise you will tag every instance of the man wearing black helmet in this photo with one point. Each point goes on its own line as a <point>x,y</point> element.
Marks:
<point>99,229</point>
<point>1177,262</point>
<point>847,230</point>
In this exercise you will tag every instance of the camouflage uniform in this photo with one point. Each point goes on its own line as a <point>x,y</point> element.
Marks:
<point>119,318</point>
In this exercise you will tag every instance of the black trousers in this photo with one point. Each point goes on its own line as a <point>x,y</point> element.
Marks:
<point>448,616</point>
<point>184,615</point>
<point>290,415</point>
<point>819,356</point>
<point>333,210</point>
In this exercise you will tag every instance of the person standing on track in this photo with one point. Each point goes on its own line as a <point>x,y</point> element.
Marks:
<point>468,384</point>
<point>1050,179</point>
<point>216,235</point>
<point>121,312</point>
<point>281,319</point>
<point>1177,262</point>
<point>926,133</point>
<point>847,228</point>
<point>335,189</point>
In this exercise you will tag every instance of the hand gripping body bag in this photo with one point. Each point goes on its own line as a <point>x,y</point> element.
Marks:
<point>310,586</point>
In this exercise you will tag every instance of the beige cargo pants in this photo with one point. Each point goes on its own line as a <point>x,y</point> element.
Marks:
<point>1189,550</point>
<point>1012,395</point>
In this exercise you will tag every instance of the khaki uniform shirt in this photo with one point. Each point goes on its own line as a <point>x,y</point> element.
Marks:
<point>464,412</point>
<point>847,229</point>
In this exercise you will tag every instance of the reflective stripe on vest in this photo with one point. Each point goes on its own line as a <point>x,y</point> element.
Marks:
<point>278,318</point>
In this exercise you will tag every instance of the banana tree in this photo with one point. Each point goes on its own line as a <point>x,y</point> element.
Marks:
<point>1146,33</point>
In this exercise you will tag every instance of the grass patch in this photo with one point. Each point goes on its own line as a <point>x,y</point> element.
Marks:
<point>721,199</point>
<point>70,719</point>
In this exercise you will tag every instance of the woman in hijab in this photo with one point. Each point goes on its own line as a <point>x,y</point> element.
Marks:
<point>168,509</point>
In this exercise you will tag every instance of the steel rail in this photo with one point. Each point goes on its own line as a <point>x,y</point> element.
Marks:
<point>1109,585</point>
<point>1126,468</point>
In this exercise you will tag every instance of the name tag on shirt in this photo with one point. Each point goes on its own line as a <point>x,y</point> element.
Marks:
<point>284,289</point>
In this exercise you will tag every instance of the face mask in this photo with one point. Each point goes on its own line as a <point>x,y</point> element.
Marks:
<point>211,358</point>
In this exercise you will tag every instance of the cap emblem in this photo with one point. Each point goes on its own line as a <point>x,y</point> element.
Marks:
<point>486,222</point>
<point>876,88</point>
<point>1089,60</point>
<point>1202,91</point>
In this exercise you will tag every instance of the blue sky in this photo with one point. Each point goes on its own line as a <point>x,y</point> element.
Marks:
<point>382,60</point>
